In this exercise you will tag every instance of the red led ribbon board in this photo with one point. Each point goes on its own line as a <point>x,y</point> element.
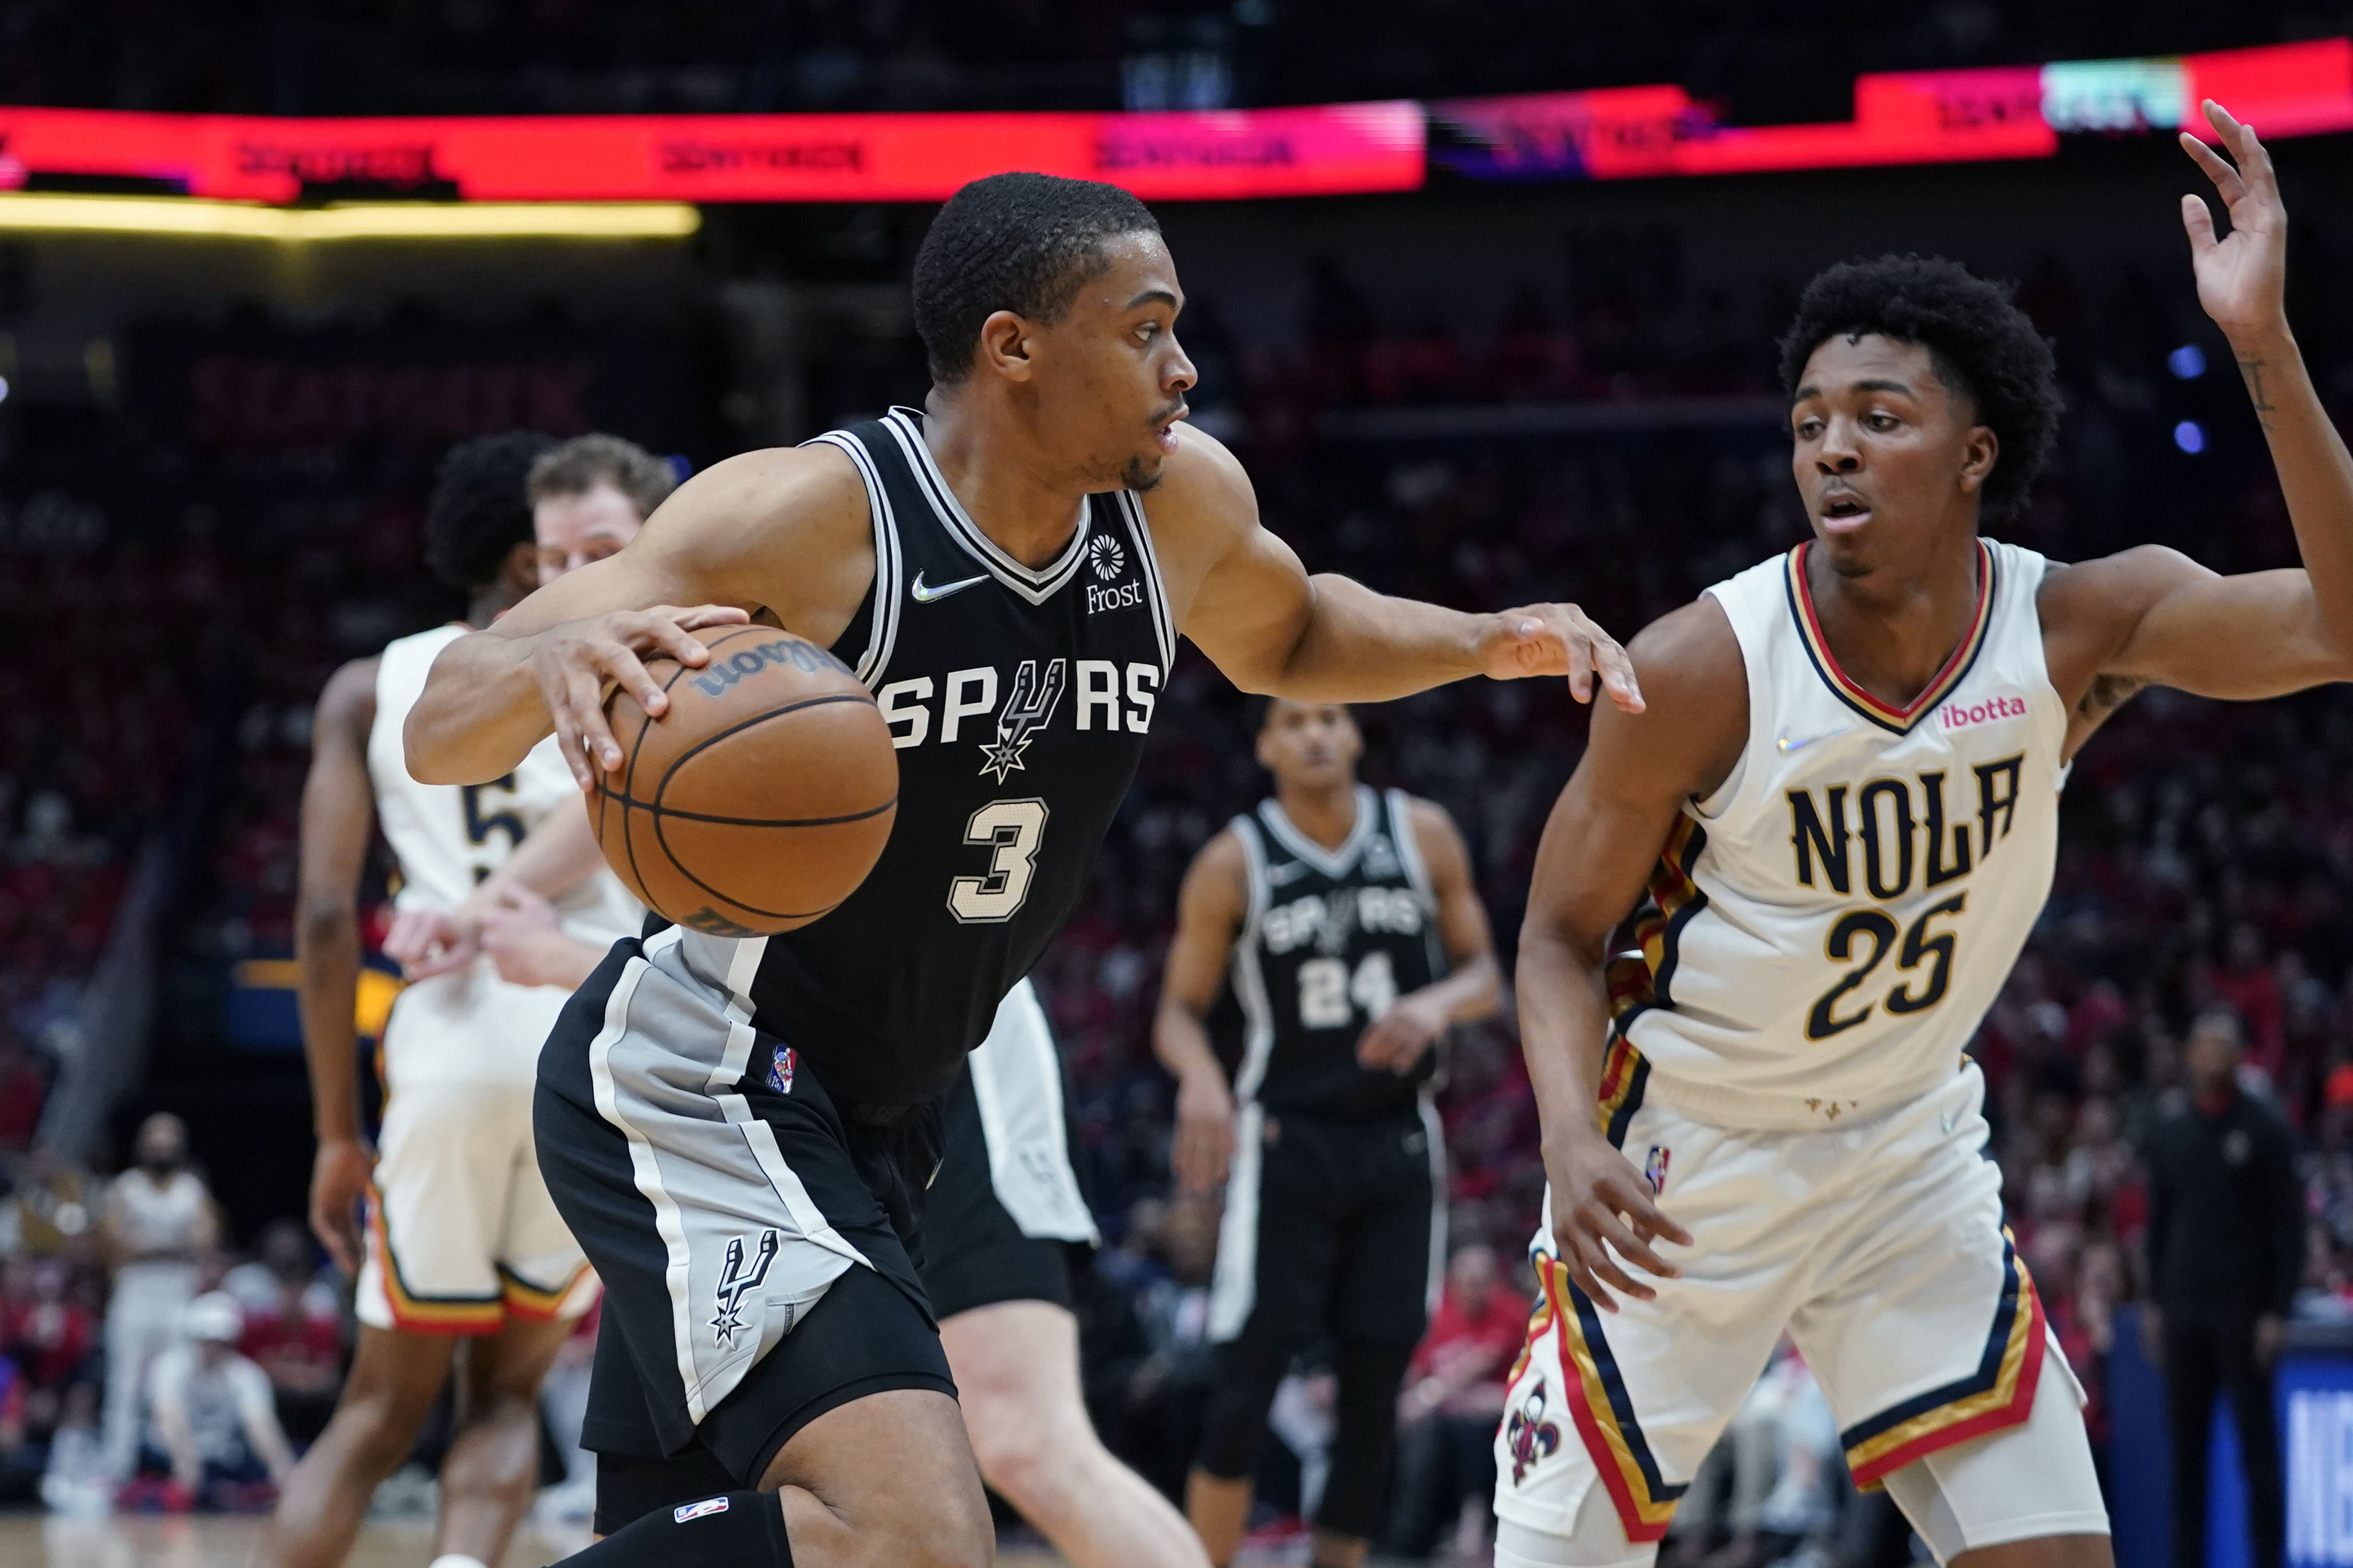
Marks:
<point>1319,151</point>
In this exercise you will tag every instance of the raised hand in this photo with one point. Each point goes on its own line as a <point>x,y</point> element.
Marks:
<point>2241,280</point>
<point>1559,639</point>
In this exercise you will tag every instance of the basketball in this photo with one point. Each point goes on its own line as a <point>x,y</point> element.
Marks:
<point>761,799</point>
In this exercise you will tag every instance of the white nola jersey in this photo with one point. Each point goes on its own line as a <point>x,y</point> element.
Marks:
<point>1825,931</point>
<point>469,1024</point>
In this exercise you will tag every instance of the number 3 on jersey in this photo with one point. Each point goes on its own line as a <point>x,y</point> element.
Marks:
<point>1012,829</point>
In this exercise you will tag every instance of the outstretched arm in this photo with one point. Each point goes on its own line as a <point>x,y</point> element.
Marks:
<point>1210,910</point>
<point>1273,629</point>
<point>338,814</point>
<point>1598,851</point>
<point>2155,617</point>
<point>781,533</point>
<point>1471,984</point>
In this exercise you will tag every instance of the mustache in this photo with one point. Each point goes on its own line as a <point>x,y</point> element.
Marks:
<point>1177,410</point>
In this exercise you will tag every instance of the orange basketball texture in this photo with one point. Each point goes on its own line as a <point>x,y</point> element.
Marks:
<point>761,799</point>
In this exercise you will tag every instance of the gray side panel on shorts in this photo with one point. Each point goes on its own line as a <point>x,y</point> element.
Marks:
<point>749,1252</point>
<point>1017,1079</point>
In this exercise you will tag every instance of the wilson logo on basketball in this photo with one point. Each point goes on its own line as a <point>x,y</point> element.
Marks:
<point>723,673</point>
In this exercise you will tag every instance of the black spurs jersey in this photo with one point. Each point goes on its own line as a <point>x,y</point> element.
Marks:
<point>1332,938</point>
<point>1018,699</point>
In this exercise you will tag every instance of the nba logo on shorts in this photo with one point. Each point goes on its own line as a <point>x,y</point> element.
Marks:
<point>697,1509</point>
<point>1655,1167</point>
<point>780,1071</point>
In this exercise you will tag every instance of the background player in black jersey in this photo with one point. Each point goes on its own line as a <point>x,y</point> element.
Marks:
<point>1061,526</point>
<point>1355,938</point>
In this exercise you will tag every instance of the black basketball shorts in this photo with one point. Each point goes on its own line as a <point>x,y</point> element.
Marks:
<point>756,1239</point>
<point>1006,1220</point>
<point>1330,1228</point>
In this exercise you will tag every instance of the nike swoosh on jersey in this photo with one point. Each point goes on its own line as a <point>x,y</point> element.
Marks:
<point>1787,746</point>
<point>925,596</point>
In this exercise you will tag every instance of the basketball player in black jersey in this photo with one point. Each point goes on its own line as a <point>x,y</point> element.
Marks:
<point>740,1131</point>
<point>1355,938</point>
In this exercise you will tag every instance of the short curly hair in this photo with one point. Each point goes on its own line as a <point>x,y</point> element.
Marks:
<point>1022,243</point>
<point>481,508</point>
<point>1983,347</point>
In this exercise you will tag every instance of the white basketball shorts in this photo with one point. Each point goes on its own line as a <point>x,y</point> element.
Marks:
<point>462,1233</point>
<point>1876,1244</point>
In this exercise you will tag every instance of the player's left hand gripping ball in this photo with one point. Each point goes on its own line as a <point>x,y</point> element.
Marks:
<point>1559,639</point>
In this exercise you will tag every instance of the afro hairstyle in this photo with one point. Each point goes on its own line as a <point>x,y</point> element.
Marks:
<point>1023,243</point>
<point>1984,348</point>
<point>481,508</point>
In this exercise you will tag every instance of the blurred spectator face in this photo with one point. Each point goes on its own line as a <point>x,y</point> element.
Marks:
<point>2212,1056</point>
<point>214,1321</point>
<point>1192,1239</point>
<point>1309,745</point>
<point>163,1144</point>
<point>1875,465</point>
<point>286,1252</point>
<point>574,530</point>
<point>1471,1277</point>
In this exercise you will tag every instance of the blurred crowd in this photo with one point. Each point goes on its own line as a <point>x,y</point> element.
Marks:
<point>386,56</point>
<point>166,692</point>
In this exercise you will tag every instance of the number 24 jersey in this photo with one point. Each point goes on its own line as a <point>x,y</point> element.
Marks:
<point>1823,933</point>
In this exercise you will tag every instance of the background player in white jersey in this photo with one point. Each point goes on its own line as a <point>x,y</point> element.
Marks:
<point>1357,938</point>
<point>462,1241</point>
<point>1852,758</point>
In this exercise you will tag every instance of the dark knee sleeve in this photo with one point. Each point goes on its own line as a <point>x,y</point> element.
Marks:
<point>1249,1371</point>
<point>732,1530</point>
<point>1370,1373</point>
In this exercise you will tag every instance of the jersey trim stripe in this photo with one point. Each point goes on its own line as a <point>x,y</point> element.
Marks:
<point>1999,1394</point>
<point>418,1314</point>
<point>1249,981</point>
<point>1605,1414</point>
<point>1164,624</point>
<point>1334,863</point>
<point>1035,583</point>
<point>1625,1078</point>
<point>1886,715</point>
<point>889,568</point>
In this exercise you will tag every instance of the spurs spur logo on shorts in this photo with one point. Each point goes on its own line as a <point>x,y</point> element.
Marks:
<point>743,1274</point>
<point>780,1069</point>
<point>1655,1167</point>
<point>1531,1438</point>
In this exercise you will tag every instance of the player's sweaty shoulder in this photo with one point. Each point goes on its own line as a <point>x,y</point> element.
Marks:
<point>347,702</point>
<point>785,529</point>
<point>1694,723</point>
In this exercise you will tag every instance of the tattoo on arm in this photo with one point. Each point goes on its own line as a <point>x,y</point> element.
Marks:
<point>2252,370</point>
<point>2108,693</point>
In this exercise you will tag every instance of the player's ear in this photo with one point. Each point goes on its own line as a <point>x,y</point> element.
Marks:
<point>1979,452</point>
<point>1004,346</point>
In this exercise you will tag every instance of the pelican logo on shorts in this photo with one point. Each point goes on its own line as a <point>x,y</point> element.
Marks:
<point>1655,1167</point>
<point>708,1506</point>
<point>1024,713</point>
<point>738,1279</point>
<point>1531,1438</point>
<point>780,1069</point>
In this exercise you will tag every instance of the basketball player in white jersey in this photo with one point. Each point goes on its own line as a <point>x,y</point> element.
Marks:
<point>462,1241</point>
<point>1842,801</point>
